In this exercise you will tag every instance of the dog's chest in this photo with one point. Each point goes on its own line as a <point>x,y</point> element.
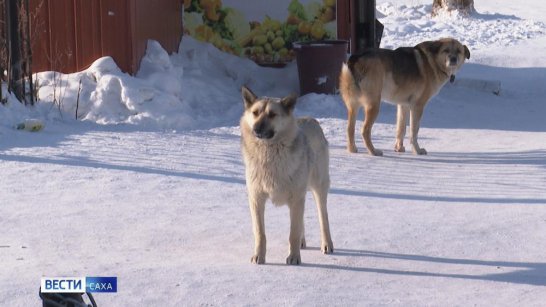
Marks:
<point>278,171</point>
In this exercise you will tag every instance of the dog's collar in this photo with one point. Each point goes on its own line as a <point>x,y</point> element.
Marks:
<point>450,75</point>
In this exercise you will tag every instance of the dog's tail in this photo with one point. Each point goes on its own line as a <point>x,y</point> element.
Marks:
<point>348,87</point>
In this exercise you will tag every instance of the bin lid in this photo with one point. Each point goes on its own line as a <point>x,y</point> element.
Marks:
<point>319,43</point>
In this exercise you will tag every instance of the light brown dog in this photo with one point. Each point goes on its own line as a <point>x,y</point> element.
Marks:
<point>407,77</point>
<point>284,157</point>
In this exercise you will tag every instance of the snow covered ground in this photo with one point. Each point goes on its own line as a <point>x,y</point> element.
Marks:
<point>148,184</point>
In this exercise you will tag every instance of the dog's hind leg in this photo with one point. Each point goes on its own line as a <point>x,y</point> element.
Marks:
<point>296,207</point>
<point>321,195</point>
<point>371,110</point>
<point>401,122</point>
<point>351,121</point>
<point>350,92</point>
<point>257,210</point>
<point>415,118</point>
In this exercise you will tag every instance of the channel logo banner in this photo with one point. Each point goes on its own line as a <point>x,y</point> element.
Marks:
<point>63,285</point>
<point>78,284</point>
<point>101,284</point>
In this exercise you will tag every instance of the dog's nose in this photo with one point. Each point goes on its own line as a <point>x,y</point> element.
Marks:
<point>262,132</point>
<point>453,61</point>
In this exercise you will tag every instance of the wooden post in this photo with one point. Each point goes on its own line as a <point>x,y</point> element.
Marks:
<point>28,55</point>
<point>15,63</point>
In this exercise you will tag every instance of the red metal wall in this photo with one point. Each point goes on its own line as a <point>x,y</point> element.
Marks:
<point>157,19</point>
<point>88,32</point>
<point>116,41</point>
<point>70,34</point>
<point>343,17</point>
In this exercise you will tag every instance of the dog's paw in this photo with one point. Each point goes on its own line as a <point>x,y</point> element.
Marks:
<point>293,259</point>
<point>257,259</point>
<point>351,148</point>
<point>327,248</point>
<point>376,152</point>
<point>420,151</point>
<point>399,148</point>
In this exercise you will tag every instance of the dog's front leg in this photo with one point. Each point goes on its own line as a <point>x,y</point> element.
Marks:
<point>401,122</point>
<point>257,210</point>
<point>296,229</point>
<point>321,195</point>
<point>416,113</point>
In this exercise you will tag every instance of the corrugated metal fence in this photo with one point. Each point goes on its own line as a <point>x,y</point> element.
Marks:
<point>68,35</point>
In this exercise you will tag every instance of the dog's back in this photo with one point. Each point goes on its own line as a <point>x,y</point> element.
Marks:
<point>380,71</point>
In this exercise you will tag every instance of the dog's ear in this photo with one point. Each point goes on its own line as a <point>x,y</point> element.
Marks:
<point>289,102</point>
<point>248,97</point>
<point>431,46</point>
<point>466,52</point>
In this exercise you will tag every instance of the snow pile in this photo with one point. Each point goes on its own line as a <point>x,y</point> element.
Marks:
<point>409,25</point>
<point>109,96</point>
<point>197,88</point>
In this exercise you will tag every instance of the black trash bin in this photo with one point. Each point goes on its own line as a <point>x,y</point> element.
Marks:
<point>319,64</point>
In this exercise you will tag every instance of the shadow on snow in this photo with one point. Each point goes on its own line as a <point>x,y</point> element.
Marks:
<point>529,273</point>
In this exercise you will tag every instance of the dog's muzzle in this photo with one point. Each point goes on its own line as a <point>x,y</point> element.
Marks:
<point>264,135</point>
<point>263,132</point>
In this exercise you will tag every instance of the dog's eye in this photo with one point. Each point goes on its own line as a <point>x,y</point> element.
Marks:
<point>255,113</point>
<point>446,51</point>
<point>272,115</point>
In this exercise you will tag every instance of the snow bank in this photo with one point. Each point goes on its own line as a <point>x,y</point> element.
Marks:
<point>195,89</point>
